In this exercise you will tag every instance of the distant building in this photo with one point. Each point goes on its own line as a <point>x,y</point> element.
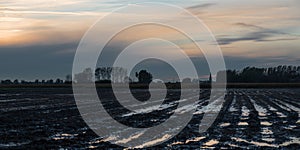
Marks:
<point>210,78</point>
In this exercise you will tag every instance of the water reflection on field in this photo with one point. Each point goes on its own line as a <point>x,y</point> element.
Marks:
<point>249,118</point>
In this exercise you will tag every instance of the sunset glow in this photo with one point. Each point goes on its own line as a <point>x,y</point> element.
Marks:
<point>253,30</point>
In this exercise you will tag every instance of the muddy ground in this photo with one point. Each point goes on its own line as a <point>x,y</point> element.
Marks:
<point>48,118</point>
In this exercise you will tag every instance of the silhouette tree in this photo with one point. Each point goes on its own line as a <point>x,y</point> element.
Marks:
<point>16,81</point>
<point>98,74</point>
<point>68,79</point>
<point>6,81</point>
<point>59,81</point>
<point>50,81</point>
<point>144,76</point>
<point>36,81</point>
<point>23,82</point>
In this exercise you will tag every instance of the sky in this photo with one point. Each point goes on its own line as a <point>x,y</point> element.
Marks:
<point>39,38</point>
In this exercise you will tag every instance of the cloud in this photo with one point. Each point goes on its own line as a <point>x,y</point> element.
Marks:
<point>258,34</point>
<point>256,27</point>
<point>241,24</point>
<point>6,9</point>
<point>255,36</point>
<point>201,6</point>
<point>198,9</point>
<point>39,4</point>
<point>80,13</point>
<point>28,38</point>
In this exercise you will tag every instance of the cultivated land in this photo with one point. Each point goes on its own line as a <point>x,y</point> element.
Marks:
<point>250,118</point>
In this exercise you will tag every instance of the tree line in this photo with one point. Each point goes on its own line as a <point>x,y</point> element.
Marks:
<point>112,74</point>
<point>50,81</point>
<point>101,75</point>
<point>279,74</point>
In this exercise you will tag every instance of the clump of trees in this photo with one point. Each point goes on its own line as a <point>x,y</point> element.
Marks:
<point>144,76</point>
<point>103,75</point>
<point>279,74</point>
<point>119,75</point>
<point>111,74</point>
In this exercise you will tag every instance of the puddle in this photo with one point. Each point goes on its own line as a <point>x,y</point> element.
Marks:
<point>281,115</point>
<point>130,138</point>
<point>92,147</point>
<point>244,118</point>
<point>266,123</point>
<point>99,140</point>
<point>243,124</point>
<point>153,142</point>
<point>268,139</point>
<point>273,109</point>
<point>195,139</point>
<point>290,127</point>
<point>211,107</point>
<point>233,145</point>
<point>224,124</point>
<point>293,141</point>
<point>292,107</point>
<point>63,136</point>
<point>254,142</point>
<point>148,109</point>
<point>262,114</point>
<point>186,108</point>
<point>176,143</point>
<point>210,144</point>
<point>261,111</point>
